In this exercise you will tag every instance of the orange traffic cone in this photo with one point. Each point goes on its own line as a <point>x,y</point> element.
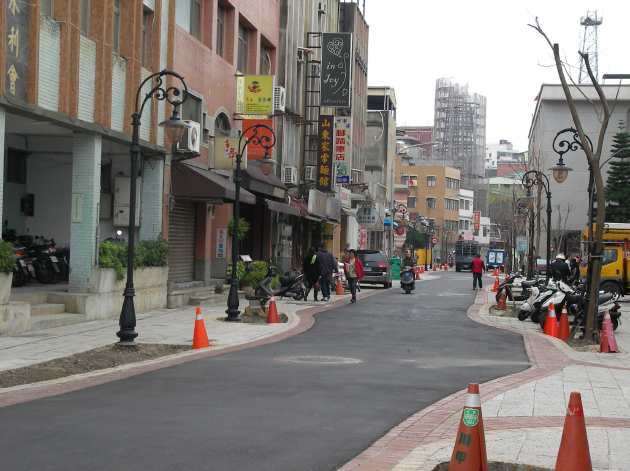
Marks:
<point>501,305</point>
<point>574,454</point>
<point>563,329</point>
<point>469,453</point>
<point>339,291</point>
<point>272,312</point>
<point>200,336</point>
<point>551,324</point>
<point>495,272</point>
<point>495,287</point>
<point>607,343</point>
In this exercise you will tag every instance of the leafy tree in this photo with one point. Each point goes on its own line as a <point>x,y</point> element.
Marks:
<point>415,238</point>
<point>618,185</point>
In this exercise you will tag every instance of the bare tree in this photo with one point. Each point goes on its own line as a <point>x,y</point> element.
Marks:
<point>593,157</point>
<point>535,163</point>
<point>563,219</point>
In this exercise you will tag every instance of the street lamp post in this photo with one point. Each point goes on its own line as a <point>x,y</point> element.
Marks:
<point>263,136</point>
<point>537,178</point>
<point>175,128</point>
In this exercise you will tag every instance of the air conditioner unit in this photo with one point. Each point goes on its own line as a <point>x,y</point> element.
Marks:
<point>191,140</point>
<point>289,175</point>
<point>321,8</point>
<point>279,99</point>
<point>412,182</point>
<point>310,173</point>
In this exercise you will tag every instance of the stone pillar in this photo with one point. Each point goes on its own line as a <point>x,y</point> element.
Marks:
<point>151,199</point>
<point>86,195</point>
<point>2,156</point>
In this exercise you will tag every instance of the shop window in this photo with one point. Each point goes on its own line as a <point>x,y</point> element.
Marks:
<point>85,12</point>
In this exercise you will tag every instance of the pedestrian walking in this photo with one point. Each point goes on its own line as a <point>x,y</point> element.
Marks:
<point>354,272</point>
<point>310,268</point>
<point>327,266</point>
<point>478,267</point>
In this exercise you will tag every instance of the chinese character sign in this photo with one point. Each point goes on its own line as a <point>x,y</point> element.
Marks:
<point>476,221</point>
<point>336,73</point>
<point>16,47</point>
<point>254,95</point>
<point>343,148</point>
<point>225,151</point>
<point>326,149</point>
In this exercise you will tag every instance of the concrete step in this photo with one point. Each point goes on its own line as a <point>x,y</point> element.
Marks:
<point>49,321</point>
<point>47,309</point>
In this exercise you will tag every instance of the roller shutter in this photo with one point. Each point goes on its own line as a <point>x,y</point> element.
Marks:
<point>182,242</point>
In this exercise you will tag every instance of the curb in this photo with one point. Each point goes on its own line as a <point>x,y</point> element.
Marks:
<point>303,320</point>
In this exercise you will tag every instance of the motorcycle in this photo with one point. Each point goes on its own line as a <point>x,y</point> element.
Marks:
<point>23,269</point>
<point>45,261</point>
<point>607,302</point>
<point>539,291</point>
<point>407,279</point>
<point>512,286</point>
<point>291,286</point>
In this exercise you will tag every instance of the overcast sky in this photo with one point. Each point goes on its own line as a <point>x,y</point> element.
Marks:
<point>488,45</point>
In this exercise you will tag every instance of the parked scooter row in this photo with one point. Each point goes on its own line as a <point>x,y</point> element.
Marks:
<point>37,258</point>
<point>291,286</point>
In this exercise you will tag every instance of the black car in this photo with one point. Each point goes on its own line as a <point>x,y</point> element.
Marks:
<point>376,267</point>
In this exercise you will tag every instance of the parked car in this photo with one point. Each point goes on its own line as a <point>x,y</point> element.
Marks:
<point>376,267</point>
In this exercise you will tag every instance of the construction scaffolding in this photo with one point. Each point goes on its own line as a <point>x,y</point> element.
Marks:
<point>459,130</point>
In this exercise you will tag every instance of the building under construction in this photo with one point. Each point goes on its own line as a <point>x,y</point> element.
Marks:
<point>459,130</point>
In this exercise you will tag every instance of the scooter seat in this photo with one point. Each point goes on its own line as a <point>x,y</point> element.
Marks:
<point>528,283</point>
<point>604,298</point>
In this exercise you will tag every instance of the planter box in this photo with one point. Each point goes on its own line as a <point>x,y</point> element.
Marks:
<point>5,287</point>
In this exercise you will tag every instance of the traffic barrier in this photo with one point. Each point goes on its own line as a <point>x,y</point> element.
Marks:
<point>501,305</point>
<point>339,291</point>
<point>551,323</point>
<point>563,329</point>
<point>272,312</point>
<point>469,453</point>
<point>607,342</point>
<point>574,454</point>
<point>495,286</point>
<point>200,336</point>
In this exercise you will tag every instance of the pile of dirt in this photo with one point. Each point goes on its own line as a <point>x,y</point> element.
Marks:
<point>511,311</point>
<point>498,466</point>
<point>252,315</point>
<point>92,360</point>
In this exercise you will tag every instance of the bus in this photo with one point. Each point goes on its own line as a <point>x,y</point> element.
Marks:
<point>465,250</point>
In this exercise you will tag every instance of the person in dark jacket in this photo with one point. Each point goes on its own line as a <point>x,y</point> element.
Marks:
<point>327,266</point>
<point>311,273</point>
<point>559,269</point>
<point>477,268</point>
<point>575,269</point>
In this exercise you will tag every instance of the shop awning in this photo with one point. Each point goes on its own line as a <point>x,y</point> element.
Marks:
<point>199,184</point>
<point>257,181</point>
<point>280,207</point>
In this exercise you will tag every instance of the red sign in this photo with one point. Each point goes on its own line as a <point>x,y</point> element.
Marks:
<point>363,238</point>
<point>257,152</point>
<point>476,220</point>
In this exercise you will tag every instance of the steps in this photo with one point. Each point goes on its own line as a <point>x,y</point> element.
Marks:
<point>47,308</point>
<point>49,321</point>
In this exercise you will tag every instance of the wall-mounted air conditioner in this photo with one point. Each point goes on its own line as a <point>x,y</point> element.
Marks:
<point>289,175</point>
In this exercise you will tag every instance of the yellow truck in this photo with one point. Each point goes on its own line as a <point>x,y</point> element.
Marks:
<point>615,274</point>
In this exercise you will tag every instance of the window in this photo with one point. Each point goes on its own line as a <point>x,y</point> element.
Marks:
<point>431,203</point>
<point>243,49</point>
<point>106,178</point>
<point>609,256</point>
<point>191,108</point>
<point>222,125</point>
<point>221,17</point>
<point>147,32</point>
<point>468,208</point>
<point>116,42</point>
<point>265,60</point>
<point>46,8</point>
<point>16,166</point>
<point>404,179</point>
<point>431,180</point>
<point>452,183</point>
<point>85,12</point>
<point>451,205</point>
<point>411,202</point>
<point>485,231</point>
<point>195,18</point>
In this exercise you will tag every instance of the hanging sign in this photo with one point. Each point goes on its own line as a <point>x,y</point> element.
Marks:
<point>343,148</point>
<point>16,47</point>
<point>221,242</point>
<point>324,160</point>
<point>336,69</point>
<point>225,151</point>
<point>254,95</point>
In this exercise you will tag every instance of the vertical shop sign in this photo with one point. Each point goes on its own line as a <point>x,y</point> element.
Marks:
<point>343,146</point>
<point>221,241</point>
<point>16,47</point>
<point>336,73</point>
<point>324,164</point>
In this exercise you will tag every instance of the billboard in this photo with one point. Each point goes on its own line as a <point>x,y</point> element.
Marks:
<point>343,148</point>
<point>336,73</point>
<point>256,151</point>
<point>254,95</point>
<point>324,158</point>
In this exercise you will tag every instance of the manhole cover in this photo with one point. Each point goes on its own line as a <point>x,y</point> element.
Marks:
<point>322,360</point>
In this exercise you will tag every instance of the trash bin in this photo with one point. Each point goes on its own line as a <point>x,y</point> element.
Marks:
<point>394,263</point>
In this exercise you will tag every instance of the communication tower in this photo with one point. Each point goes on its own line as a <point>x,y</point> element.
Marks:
<point>588,45</point>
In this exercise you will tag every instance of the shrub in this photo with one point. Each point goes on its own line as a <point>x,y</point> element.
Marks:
<point>258,271</point>
<point>152,253</point>
<point>149,253</point>
<point>7,257</point>
<point>113,255</point>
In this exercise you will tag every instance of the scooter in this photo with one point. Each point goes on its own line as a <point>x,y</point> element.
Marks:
<point>291,286</point>
<point>407,279</point>
<point>512,286</point>
<point>539,291</point>
<point>23,269</point>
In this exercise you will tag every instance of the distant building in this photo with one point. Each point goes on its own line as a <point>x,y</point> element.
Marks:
<point>421,135</point>
<point>466,198</point>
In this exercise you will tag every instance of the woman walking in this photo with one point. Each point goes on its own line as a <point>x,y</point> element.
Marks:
<point>311,273</point>
<point>354,272</point>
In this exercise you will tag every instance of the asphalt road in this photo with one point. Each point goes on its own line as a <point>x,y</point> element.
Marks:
<point>276,407</point>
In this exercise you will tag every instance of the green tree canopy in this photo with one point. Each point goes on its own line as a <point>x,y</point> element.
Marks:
<point>618,184</point>
<point>415,239</point>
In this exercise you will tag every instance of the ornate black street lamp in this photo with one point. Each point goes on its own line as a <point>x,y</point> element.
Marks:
<point>259,135</point>
<point>537,178</point>
<point>175,128</point>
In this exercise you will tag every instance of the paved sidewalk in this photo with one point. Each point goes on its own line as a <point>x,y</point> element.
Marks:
<point>524,413</point>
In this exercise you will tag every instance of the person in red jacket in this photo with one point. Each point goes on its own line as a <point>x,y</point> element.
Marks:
<point>478,267</point>
<point>354,272</point>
